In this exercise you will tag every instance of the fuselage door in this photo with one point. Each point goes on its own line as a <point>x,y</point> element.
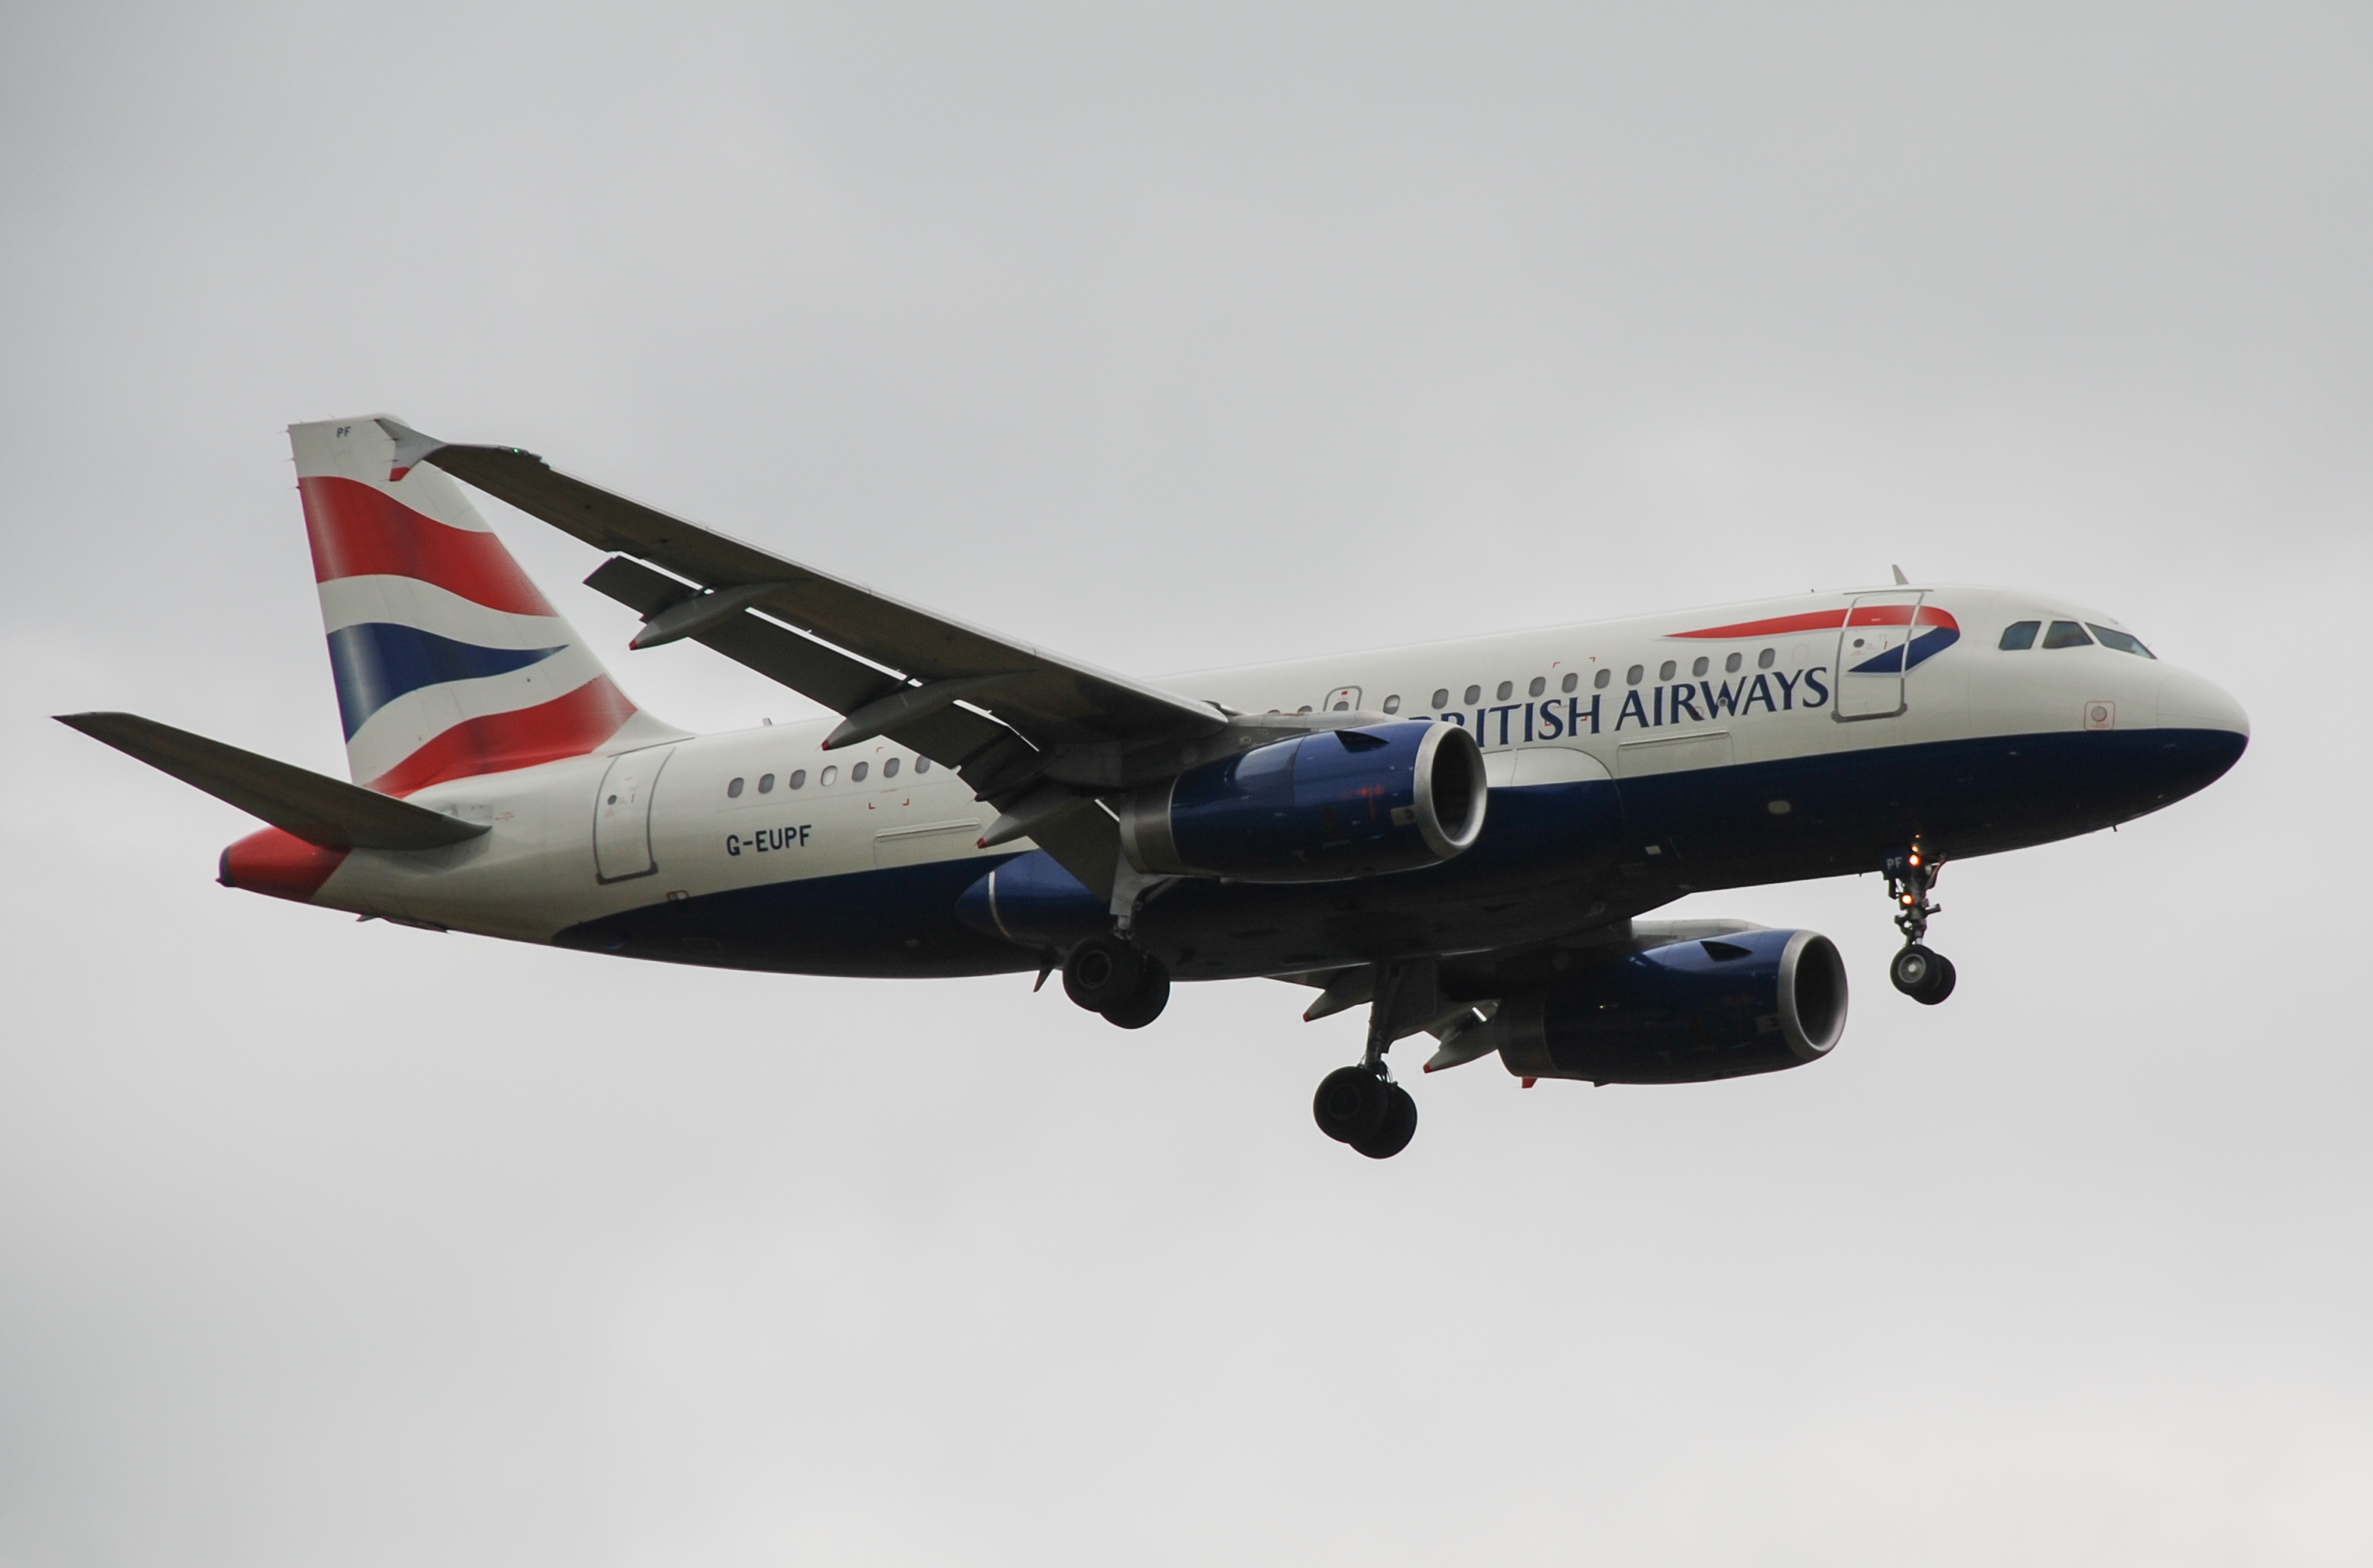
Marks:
<point>1872,646</point>
<point>1342,699</point>
<point>622,814</point>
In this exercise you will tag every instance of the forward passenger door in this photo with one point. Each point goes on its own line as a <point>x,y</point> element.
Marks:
<point>1872,647</point>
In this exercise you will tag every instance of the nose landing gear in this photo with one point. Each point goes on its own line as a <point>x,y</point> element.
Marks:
<point>1925,977</point>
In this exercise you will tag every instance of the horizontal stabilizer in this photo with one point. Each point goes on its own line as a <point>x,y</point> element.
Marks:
<point>320,810</point>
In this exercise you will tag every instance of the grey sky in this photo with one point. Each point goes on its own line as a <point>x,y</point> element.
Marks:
<point>1173,338</point>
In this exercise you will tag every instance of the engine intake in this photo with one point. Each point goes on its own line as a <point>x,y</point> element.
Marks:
<point>1317,808</point>
<point>1683,1013</point>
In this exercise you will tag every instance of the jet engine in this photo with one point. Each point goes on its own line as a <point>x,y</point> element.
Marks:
<point>1683,1013</point>
<point>1317,808</point>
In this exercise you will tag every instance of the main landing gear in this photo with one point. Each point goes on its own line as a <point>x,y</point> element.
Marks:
<point>1129,986</point>
<point>1925,975</point>
<point>1362,1106</point>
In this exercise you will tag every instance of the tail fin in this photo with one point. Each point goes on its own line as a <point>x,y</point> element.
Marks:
<point>448,662</point>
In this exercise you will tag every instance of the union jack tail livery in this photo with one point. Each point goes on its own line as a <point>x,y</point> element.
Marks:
<point>448,662</point>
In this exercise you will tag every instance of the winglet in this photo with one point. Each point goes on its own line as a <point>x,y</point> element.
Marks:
<point>411,447</point>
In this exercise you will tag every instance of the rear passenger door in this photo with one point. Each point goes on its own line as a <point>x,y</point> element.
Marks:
<point>622,814</point>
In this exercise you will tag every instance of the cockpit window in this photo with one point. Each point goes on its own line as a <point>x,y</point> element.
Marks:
<point>2066,634</point>
<point>2124,642</point>
<point>2020,634</point>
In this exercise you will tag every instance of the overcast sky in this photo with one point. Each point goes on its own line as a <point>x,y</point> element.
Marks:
<point>1173,338</point>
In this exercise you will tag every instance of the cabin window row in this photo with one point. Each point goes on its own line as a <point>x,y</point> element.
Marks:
<point>1539,685</point>
<point>798,777</point>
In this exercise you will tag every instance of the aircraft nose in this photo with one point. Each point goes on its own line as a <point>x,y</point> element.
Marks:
<point>2188,702</point>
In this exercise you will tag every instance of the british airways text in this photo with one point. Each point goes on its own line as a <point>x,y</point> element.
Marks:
<point>1650,708</point>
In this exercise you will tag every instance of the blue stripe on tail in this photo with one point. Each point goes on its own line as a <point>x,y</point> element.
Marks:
<point>378,661</point>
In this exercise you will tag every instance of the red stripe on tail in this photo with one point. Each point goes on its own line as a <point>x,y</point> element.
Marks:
<point>566,726</point>
<point>360,531</point>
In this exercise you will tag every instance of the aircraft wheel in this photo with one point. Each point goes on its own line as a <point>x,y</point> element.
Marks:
<point>1926,978</point>
<point>1102,972</point>
<point>1145,1005</point>
<point>1352,1104</point>
<point>1400,1126</point>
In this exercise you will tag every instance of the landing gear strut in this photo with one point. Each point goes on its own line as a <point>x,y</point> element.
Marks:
<point>1925,977</point>
<point>1361,1104</point>
<point>1127,985</point>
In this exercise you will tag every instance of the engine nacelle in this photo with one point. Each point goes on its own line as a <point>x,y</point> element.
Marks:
<point>1317,808</point>
<point>1683,1013</point>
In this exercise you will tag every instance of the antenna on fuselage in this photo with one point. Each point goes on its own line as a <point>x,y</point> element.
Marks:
<point>1901,580</point>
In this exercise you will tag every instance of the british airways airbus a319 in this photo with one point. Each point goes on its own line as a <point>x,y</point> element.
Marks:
<point>1460,837</point>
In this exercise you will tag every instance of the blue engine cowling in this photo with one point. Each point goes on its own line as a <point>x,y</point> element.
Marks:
<point>1316,808</point>
<point>1683,1013</point>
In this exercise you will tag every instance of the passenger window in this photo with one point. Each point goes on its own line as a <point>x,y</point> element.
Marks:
<point>922,765</point>
<point>1573,678</point>
<point>2124,642</point>
<point>1631,676</point>
<point>1666,673</point>
<point>766,783</point>
<point>857,774</point>
<point>1540,683</point>
<point>733,790</point>
<point>1700,668</point>
<point>1442,699</point>
<point>890,769</point>
<point>2066,634</point>
<point>2019,635</point>
<point>1763,659</point>
<point>829,777</point>
<point>798,780</point>
<point>1730,665</point>
<point>1507,690</point>
<point>1474,695</point>
<point>1598,681</point>
<point>1392,704</point>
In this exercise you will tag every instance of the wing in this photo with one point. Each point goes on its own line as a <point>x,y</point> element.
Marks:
<point>1037,735</point>
<point>1050,699</point>
<point>1454,1000</point>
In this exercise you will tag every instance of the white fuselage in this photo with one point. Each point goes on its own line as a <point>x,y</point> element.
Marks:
<point>1616,699</point>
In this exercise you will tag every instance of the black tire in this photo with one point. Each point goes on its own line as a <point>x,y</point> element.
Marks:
<point>1152,996</point>
<point>1102,972</point>
<point>1351,1103</point>
<point>1913,971</point>
<point>1400,1126</point>
<point>1941,985</point>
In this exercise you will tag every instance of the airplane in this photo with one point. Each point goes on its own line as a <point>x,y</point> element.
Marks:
<point>1464,838</point>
